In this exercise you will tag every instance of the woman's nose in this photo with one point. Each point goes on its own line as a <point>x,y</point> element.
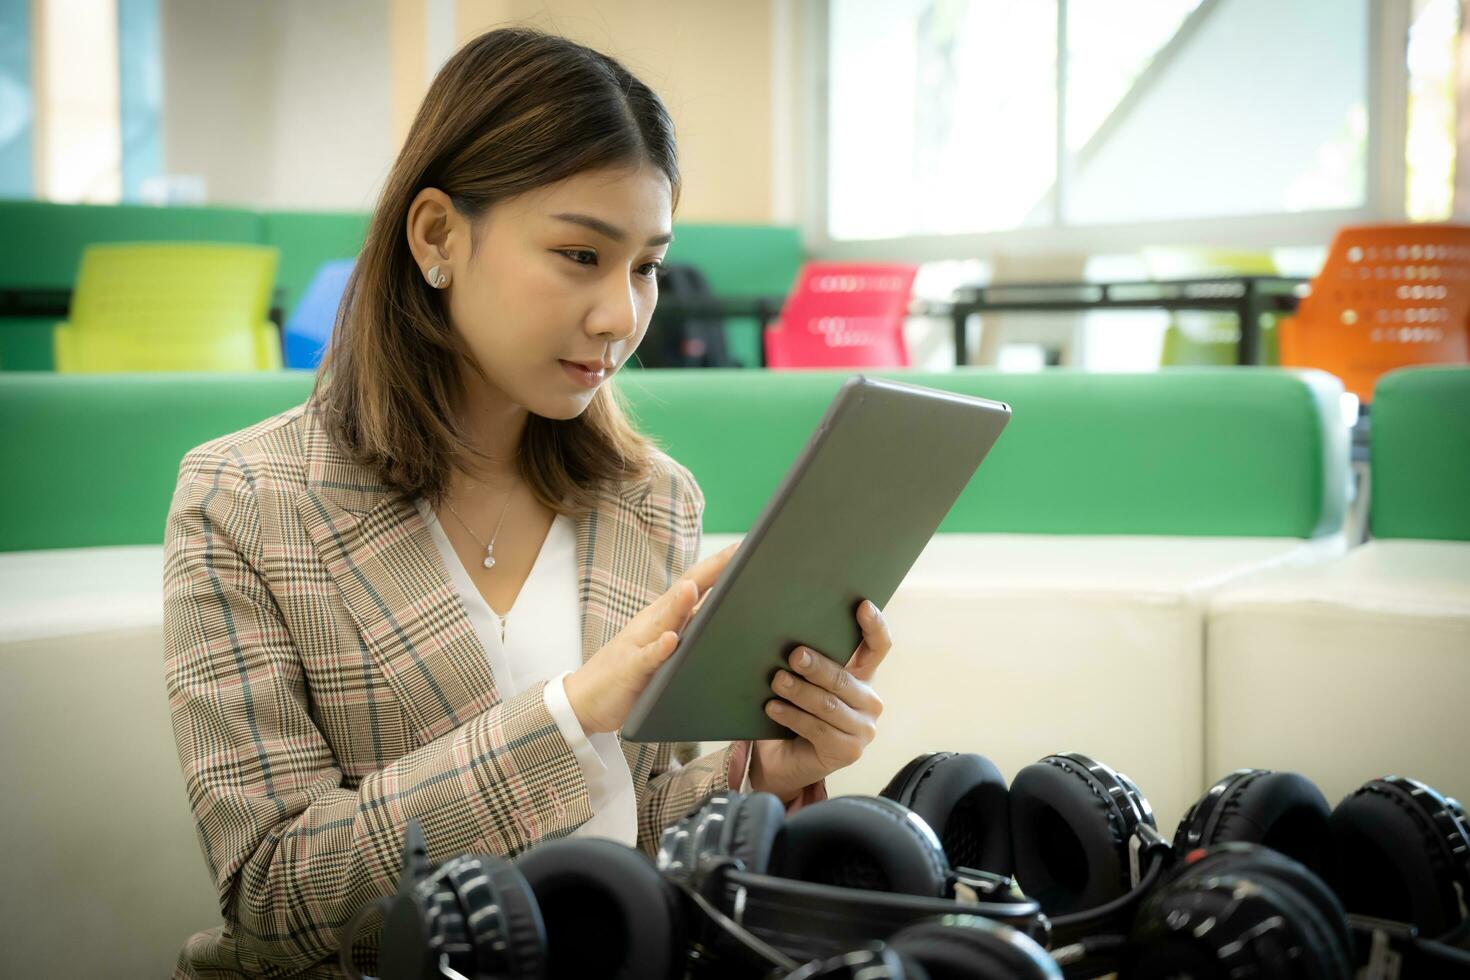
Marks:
<point>617,312</point>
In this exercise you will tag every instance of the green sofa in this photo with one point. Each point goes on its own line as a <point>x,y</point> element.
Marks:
<point>1420,440</point>
<point>41,247</point>
<point>1204,452</point>
<point>42,242</point>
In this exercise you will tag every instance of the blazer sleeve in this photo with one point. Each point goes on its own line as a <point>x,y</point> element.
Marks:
<point>293,850</point>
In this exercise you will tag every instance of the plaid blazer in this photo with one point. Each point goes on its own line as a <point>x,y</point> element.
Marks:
<point>326,685</point>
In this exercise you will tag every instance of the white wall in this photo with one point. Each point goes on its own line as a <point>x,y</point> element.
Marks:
<point>278,104</point>
<point>711,63</point>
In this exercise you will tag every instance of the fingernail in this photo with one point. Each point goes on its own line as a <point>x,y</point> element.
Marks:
<point>803,658</point>
<point>870,609</point>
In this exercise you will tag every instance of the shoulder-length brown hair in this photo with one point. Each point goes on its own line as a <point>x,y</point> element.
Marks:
<point>512,110</point>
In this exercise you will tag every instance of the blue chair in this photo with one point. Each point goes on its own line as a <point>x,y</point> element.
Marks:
<point>310,325</point>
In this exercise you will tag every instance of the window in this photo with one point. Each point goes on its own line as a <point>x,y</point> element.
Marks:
<point>950,117</point>
<point>941,115</point>
<point>1430,145</point>
<point>95,101</point>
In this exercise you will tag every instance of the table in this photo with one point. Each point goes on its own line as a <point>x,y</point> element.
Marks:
<point>1248,297</point>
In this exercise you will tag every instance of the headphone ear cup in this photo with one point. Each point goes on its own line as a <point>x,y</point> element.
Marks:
<point>607,910</point>
<point>900,787</point>
<point>423,922</point>
<point>502,919</point>
<point>1237,898</point>
<point>1324,915</point>
<point>1391,862</point>
<point>971,946</point>
<point>912,967</point>
<point>878,961</point>
<point>753,825</point>
<point>1284,811</point>
<point>861,842</point>
<point>963,798</point>
<point>1068,843</point>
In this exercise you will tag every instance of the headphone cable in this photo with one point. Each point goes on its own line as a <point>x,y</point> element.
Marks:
<point>748,939</point>
<point>1091,918</point>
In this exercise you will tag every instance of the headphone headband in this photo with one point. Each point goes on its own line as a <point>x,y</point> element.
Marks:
<point>1199,823</point>
<point>1132,808</point>
<point>1119,791</point>
<point>1442,812</point>
<point>811,920</point>
<point>1445,815</point>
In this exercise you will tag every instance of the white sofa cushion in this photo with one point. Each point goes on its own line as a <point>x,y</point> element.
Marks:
<point>101,835</point>
<point>1346,671</point>
<point>70,591</point>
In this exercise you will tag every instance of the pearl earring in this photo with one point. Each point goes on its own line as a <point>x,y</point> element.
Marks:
<point>437,277</point>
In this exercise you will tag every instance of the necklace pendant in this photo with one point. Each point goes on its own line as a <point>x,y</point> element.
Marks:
<point>489,559</point>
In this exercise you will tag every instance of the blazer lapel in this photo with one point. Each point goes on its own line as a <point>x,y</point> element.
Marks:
<point>617,579</point>
<point>381,555</point>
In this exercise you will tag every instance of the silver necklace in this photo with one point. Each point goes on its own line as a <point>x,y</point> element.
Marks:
<point>489,548</point>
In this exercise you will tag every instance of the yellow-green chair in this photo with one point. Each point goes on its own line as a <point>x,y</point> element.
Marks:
<point>171,307</point>
<point>1199,337</point>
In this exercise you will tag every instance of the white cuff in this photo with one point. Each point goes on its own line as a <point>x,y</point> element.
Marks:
<point>571,729</point>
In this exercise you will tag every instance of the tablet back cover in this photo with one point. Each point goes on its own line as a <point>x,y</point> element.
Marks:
<point>881,470</point>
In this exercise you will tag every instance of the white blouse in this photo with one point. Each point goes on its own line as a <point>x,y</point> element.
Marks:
<point>545,644</point>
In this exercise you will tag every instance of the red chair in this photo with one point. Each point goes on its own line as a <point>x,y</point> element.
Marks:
<point>843,314</point>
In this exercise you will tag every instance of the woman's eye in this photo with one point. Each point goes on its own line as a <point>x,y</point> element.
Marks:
<point>649,270</point>
<point>581,256</point>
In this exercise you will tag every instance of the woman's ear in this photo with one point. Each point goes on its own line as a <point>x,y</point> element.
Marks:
<point>438,236</point>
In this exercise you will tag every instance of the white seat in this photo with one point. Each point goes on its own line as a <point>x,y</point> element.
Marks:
<point>1346,671</point>
<point>102,835</point>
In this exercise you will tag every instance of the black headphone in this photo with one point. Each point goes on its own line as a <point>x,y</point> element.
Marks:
<point>852,871</point>
<point>1079,836</point>
<point>1230,911</point>
<point>564,908</point>
<point>1395,851</point>
<point>954,946</point>
<point>583,907</point>
<point>1239,909</point>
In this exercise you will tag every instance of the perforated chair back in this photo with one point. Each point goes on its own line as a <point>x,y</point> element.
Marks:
<point>1388,296</point>
<point>843,314</point>
<point>171,307</point>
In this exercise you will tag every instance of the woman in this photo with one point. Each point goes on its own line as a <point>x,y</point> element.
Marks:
<point>435,589</point>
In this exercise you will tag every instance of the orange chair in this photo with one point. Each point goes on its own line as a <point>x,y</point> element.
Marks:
<point>843,314</point>
<point>1388,296</point>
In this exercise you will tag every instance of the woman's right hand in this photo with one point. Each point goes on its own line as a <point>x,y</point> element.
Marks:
<point>602,691</point>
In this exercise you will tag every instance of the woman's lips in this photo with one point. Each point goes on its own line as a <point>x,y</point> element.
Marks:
<point>579,374</point>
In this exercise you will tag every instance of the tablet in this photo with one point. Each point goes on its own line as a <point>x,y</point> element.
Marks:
<point>851,516</point>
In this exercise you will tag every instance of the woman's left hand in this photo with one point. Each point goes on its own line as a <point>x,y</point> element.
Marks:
<point>832,709</point>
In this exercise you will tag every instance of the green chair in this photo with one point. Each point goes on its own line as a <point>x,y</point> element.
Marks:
<point>171,307</point>
<point>1420,454</point>
<point>1196,338</point>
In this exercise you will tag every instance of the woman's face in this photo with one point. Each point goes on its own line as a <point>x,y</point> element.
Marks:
<point>564,272</point>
